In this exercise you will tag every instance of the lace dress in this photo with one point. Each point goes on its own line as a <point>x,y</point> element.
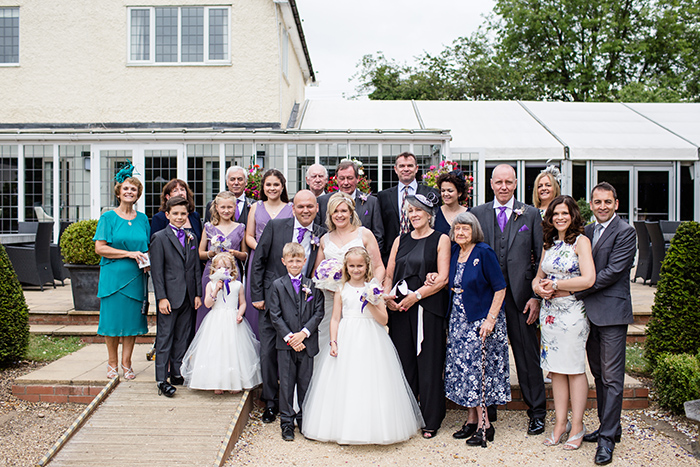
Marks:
<point>563,320</point>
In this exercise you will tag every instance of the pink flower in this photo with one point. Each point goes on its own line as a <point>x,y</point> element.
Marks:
<point>549,320</point>
<point>442,163</point>
<point>432,167</point>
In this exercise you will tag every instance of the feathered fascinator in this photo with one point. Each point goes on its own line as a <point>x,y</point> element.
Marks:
<point>554,171</point>
<point>125,172</point>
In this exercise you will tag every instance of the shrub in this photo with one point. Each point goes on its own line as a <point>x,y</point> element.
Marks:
<point>676,310</point>
<point>14,314</point>
<point>77,246</point>
<point>677,379</point>
<point>585,208</point>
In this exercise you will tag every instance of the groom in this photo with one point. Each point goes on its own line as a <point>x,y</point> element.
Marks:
<point>267,266</point>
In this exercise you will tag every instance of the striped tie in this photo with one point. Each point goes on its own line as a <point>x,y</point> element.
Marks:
<point>405,228</point>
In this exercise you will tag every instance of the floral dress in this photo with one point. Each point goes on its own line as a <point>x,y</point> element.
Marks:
<point>563,320</point>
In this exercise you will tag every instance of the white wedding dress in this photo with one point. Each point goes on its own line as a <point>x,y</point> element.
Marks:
<point>361,396</point>
<point>224,354</point>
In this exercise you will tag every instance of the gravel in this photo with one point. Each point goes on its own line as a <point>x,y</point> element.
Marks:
<point>29,429</point>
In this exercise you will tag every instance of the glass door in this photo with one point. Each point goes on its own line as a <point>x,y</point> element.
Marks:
<point>644,192</point>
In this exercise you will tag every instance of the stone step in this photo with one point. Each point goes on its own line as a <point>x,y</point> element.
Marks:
<point>73,317</point>
<point>636,333</point>
<point>641,316</point>
<point>86,332</point>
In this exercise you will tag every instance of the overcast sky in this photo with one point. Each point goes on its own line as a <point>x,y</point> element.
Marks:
<point>339,33</point>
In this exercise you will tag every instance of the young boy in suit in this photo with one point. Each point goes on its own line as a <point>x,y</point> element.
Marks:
<point>296,309</point>
<point>176,273</point>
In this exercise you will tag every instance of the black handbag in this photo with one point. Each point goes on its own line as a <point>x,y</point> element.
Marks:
<point>145,303</point>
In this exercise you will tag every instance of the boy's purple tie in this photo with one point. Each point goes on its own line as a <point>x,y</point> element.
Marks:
<point>296,282</point>
<point>180,235</point>
<point>501,218</point>
<point>300,236</point>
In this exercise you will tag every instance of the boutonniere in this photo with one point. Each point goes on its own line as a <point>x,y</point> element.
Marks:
<point>190,238</point>
<point>519,212</point>
<point>363,197</point>
<point>307,290</point>
<point>315,241</point>
<point>476,261</point>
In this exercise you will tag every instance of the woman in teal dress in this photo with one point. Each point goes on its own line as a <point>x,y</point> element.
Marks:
<point>122,239</point>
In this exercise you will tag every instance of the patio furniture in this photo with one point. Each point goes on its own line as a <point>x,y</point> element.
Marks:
<point>17,238</point>
<point>644,258</point>
<point>668,229</point>
<point>41,215</point>
<point>658,250</point>
<point>60,273</point>
<point>32,262</point>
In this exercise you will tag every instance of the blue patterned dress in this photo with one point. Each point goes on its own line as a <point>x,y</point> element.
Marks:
<point>479,277</point>
<point>563,320</point>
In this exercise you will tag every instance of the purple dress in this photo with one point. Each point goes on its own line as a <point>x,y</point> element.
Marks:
<point>262,217</point>
<point>236,238</point>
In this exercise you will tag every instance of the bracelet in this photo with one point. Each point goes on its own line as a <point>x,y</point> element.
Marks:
<point>333,342</point>
<point>209,257</point>
<point>493,317</point>
<point>212,297</point>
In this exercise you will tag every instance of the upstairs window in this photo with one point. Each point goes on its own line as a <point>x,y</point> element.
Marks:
<point>9,35</point>
<point>187,35</point>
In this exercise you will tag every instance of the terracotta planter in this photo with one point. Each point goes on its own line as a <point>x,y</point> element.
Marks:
<point>83,281</point>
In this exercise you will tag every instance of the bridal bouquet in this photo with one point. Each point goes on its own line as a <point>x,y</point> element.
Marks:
<point>372,293</point>
<point>328,274</point>
<point>222,274</point>
<point>220,243</point>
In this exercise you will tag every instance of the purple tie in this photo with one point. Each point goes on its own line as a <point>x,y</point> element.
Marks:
<point>180,235</point>
<point>238,210</point>
<point>501,218</point>
<point>300,236</point>
<point>296,282</point>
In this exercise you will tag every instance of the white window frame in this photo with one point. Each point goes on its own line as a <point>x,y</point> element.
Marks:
<point>19,38</point>
<point>152,35</point>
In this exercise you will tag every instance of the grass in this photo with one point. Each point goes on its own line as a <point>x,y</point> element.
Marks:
<point>48,349</point>
<point>635,362</point>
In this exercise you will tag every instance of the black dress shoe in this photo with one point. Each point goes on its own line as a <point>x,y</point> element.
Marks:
<point>177,380</point>
<point>268,415</point>
<point>603,455</point>
<point>466,431</point>
<point>477,438</point>
<point>288,432</point>
<point>593,437</point>
<point>166,389</point>
<point>536,426</point>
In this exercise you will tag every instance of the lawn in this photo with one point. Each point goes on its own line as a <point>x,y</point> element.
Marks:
<point>48,348</point>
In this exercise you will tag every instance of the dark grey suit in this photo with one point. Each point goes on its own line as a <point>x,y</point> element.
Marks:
<point>389,206</point>
<point>518,249</point>
<point>266,268</point>
<point>609,309</point>
<point>367,210</point>
<point>176,273</point>
<point>290,313</point>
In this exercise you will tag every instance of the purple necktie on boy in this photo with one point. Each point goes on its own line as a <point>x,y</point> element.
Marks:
<point>296,282</point>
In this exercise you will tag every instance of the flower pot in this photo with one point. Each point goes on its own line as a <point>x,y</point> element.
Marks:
<point>83,281</point>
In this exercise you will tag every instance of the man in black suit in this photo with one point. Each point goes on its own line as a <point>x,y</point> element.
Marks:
<point>177,283</point>
<point>391,200</point>
<point>266,268</point>
<point>366,206</point>
<point>236,180</point>
<point>514,231</point>
<point>317,179</point>
<point>609,309</point>
<point>296,310</point>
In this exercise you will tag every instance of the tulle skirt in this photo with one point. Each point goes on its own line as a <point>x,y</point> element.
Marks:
<point>361,396</point>
<point>224,354</point>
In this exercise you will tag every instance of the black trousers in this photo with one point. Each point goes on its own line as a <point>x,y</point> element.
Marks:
<point>526,350</point>
<point>295,370</point>
<point>606,348</point>
<point>172,333</point>
<point>268,360</point>
<point>424,372</point>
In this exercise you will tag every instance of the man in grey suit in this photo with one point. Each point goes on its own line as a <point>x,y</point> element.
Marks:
<point>266,268</point>
<point>514,231</point>
<point>609,309</point>
<point>366,206</point>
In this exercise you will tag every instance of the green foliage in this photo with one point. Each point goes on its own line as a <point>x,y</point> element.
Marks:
<point>48,348</point>
<point>677,379</point>
<point>676,310</point>
<point>77,246</point>
<point>585,208</point>
<point>14,314</point>
<point>635,362</point>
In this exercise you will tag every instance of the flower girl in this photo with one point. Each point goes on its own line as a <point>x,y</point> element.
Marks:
<point>224,354</point>
<point>361,396</point>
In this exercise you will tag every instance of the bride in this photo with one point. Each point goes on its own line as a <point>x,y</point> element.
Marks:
<point>344,232</point>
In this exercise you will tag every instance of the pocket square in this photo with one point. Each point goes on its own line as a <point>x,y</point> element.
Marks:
<point>524,228</point>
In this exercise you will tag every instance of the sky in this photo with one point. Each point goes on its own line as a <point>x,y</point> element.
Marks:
<point>338,34</point>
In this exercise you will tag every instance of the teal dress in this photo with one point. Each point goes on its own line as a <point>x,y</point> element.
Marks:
<point>121,289</point>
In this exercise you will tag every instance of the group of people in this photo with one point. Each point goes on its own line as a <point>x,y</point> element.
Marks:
<point>283,280</point>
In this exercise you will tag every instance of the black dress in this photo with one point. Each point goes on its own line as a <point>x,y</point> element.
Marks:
<point>414,260</point>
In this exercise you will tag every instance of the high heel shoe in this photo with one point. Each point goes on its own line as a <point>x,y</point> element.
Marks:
<point>112,371</point>
<point>551,441</point>
<point>477,438</point>
<point>569,446</point>
<point>128,373</point>
<point>466,431</point>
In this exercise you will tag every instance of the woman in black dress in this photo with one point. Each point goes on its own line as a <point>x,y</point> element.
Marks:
<point>417,311</point>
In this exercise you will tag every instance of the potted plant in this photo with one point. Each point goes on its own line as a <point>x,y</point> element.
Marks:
<point>78,251</point>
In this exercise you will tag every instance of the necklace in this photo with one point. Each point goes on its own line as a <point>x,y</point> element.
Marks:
<point>128,217</point>
<point>464,254</point>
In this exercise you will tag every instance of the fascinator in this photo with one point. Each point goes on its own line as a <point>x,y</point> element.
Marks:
<point>554,171</point>
<point>125,172</point>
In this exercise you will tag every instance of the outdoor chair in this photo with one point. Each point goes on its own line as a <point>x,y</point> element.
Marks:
<point>41,215</point>
<point>32,262</point>
<point>644,258</point>
<point>668,229</point>
<point>658,250</point>
<point>60,273</point>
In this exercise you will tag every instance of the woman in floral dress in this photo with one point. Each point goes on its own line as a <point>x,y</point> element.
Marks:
<point>566,267</point>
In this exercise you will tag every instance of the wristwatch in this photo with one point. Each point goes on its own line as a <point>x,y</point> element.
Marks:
<point>555,285</point>
<point>418,295</point>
